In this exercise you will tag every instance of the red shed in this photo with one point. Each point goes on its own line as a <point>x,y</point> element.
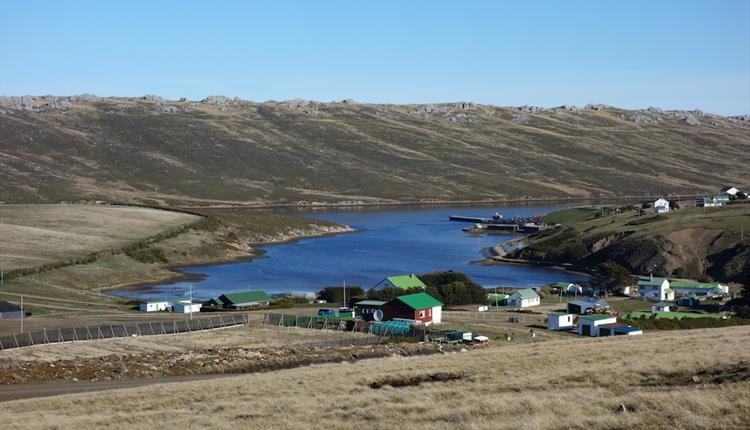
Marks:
<point>420,307</point>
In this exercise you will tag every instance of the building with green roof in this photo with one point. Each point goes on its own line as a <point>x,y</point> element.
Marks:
<point>588,325</point>
<point>403,282</point>
<point>709,289</point>
<point>419,309</point>
<point>241,300</point>
<point>654,288</point>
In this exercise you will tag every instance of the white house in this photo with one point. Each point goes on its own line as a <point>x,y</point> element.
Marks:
<point>523,298</point>
<point>559,321</point>
<point>660,307</point>
<point>708,289</point>
<point>731,191</point>
<point>154,306</point>
<point>186,307</point>
<point>588,325</point>
<point>661,206</point>
<point>656,289</point>
<point>570,288</point>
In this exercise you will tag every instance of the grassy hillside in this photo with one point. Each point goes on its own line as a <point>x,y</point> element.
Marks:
<point>642,382</point>
<point>237,152</point>
<point>688,242</point>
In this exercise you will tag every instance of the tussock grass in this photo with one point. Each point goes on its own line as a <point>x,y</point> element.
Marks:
<point>570,383</point>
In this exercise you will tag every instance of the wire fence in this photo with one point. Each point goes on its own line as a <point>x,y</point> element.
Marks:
<point>515,317</point>
<point>109,331</point>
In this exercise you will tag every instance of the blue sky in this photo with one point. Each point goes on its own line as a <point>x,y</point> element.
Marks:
<point>673,54</point>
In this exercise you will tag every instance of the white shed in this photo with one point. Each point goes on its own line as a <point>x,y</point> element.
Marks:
<point>660,307</point>
<point>588,325</point>
<point>523,298</point>
<point>559,321</point>
<point>186,307</point>
<point>154,306</point>
<point>661,206</point>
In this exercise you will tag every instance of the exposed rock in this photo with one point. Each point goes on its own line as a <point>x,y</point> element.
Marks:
<point>652,109</point>
<point>597,106</point>
<point>216,100</point>
<point>463,106</point>
<point>58,103</point>
<point>153,98</point>
<point>17,102</point>
<point>570,108</point>
<point>689,118</point>
<point>531,109</point>
<point>639,118</point>
<point>85,98</point>
<point>743,118</point>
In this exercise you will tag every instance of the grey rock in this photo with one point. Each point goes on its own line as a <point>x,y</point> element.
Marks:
<point>216,100</point>
<point>653,109</point>
<point>531,109</point>
<point>639,118</point>
<point>596,107</point>
<point>570,108</point>
<point>690,118</point>
<point>463,106</point>
<point>17,102</point>
<point>58,103</point>
<point>153,98</point>
<point>520,118</point>
<point>86,97</point>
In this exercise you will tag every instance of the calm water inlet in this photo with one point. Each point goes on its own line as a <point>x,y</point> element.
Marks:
<point>389,242</point>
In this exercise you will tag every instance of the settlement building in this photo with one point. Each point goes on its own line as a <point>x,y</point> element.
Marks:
<point>661,307</point>
<point>559,321</point>
<point>661,206</point>
<point>570,288</point>
<point>580,307</point>
<point>588,325</point>
<point>403,282</point>
<point>523,298</point>
<point>419,308</point>
<point>618,329</point>
<point>691,301</point>
<point>497,299</point>
<point>9,311</point>
<point>369,310</point>
<point>656,289</point>
<point>154,306</point>
<point>186,307</point>
<point>243,300</point>
<point>708,289</point>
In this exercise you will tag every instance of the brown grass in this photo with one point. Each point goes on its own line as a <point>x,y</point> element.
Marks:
<point>569,383</point>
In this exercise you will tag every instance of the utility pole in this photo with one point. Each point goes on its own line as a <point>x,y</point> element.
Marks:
<point>345,294</point>
<point>191,301</point>
<point>23,313</point>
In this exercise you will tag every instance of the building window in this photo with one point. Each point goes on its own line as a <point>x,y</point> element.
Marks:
<point>421,314</point>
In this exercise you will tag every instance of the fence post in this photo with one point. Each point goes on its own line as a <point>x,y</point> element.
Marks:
<point>221,320</point>
<point>138,327</point>
<point>200,326</point>
<point>1,346</point>
<point>174,327</point>
<point>46,339</point>
<point>16,339</point>
<point>163,331</point>
<point>210,323</point>
<point>31,339</point>
<point>88,333</point>
<point>60,336</point>
<point>125,330</point>
<point>187,324</point>
<point>75,334</point>
<point>151,327</point>
<point>281,321</point>
<point>112,329</point>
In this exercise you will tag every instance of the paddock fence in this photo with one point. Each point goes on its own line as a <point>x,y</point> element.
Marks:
<point>115,330</point>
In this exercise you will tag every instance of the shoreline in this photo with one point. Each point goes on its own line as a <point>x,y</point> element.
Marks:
<point>386,203</point>
<point>179,274</point>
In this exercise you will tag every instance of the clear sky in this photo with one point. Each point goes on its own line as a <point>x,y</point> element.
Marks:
<point>673,54</point>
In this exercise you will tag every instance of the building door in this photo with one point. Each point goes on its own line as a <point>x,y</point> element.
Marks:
<point>586,330</point>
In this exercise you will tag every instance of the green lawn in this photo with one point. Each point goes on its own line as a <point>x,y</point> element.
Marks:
<point>629,305</point>
<point>672,315</point>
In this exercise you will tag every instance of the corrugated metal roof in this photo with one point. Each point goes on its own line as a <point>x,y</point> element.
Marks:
<point>246,297</point>
<point>370,303</point>
<point>406,281</point>
<point>527,294</point>
<point>419,301</point>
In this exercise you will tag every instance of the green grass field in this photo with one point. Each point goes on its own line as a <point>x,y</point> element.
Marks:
<point>565,216</point>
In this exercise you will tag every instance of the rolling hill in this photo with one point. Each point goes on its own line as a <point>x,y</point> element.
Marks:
<point>222,151</point>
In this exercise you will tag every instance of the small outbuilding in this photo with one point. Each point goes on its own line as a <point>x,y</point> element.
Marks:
<point>661,206</point>
<point>661,307</point>
<point>9,311</point>
<point>523,298</point>
<point>497,299</point>
<point>186,307</point>
<point>582,306</point>
<point>559,321</point>
<point>588,325</point>
<point>154,306</point>
<point>691,301</point>
<point>369,310</point>
<point>619,329</point>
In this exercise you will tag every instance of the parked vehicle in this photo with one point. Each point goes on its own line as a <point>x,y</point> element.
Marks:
<point>326,312</point>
